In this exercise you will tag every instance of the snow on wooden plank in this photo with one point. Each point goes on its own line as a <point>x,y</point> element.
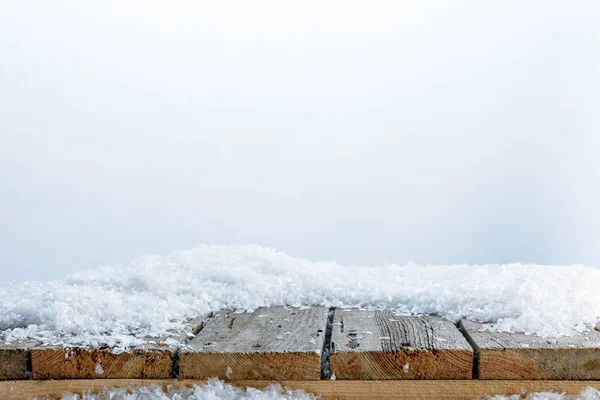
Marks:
<point>364,389</point>
<point>149,361</point>
<point>381,345</point>
<point>271,343</point>
<point>520,356</point>
<point>14,360</point>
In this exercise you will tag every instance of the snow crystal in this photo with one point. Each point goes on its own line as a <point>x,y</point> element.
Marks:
<point>99,369</point>
<point>152,297</point>
<point>214,389</point>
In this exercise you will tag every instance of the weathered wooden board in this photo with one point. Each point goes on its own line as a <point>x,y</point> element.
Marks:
<point>270,343</point>
<point>343,390</point>
<point>381,345</point>
<point>520,356</point>
<point>150,361</point>
<point>14,360</point>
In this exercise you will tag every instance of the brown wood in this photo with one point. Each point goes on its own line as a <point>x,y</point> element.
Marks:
<point>150,361</point>
<point>343,390</point>
<point>381,345</point>
<point>520,356</point>
<point>89,363</point>
<point>14,359</point>
<point>270,343</point>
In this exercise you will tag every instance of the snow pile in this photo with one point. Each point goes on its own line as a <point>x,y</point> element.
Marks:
<point>214,390</point>
<point>123,305</point>
<point>589,394</point>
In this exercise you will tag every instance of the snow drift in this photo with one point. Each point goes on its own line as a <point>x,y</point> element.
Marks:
<point>122,305</point>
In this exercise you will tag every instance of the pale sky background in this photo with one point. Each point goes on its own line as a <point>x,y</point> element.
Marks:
<point>365,132</point>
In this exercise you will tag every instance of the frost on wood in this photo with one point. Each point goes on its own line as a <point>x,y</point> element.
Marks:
<point>152,297</point>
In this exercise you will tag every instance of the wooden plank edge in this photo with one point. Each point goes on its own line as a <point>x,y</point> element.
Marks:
<point>147,361</point>
<point>259,366</point>
<point>329,389</point>
<point>17,362</point>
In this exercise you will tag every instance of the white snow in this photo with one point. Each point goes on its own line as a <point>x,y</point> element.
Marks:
<point>589,394</point>
<point>216,389</point>
<point>99,369</point>
<point>125,305</point>
<point>213,390</point>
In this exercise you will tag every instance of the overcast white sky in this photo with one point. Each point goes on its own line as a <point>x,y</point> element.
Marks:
<point>366,132</point>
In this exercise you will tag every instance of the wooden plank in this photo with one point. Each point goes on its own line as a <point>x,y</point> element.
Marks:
<point>90,363</point>
<point>520,356</point>
<point>343,390</point>
<point>14,360</point>
<point>150,361</point>
<point>271,343</point>
<point>381,345</point>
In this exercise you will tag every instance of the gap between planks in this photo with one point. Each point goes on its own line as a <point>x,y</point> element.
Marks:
<point>347,390</point>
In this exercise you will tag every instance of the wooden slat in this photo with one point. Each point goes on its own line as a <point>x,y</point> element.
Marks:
<point>342,390</point>
<point>89,363</point>
<point>14,360</point>
<point>520,356</point>
<point>150,361</point>
<point>381,345</point>
<point>271,343</point>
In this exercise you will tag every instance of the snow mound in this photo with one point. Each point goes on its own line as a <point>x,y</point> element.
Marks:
<point>213,390</point>
<point>123,305</point>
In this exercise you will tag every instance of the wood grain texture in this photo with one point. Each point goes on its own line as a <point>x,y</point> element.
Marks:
<point>343,390</point>
<point>520,356</point>
<point>271,343</point>
<point>381,345</point>
<point>150,361</point>
<point>14,359</point>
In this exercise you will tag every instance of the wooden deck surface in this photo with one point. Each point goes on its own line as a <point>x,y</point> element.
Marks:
<point>286,344</point>
<point>381,345</point>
